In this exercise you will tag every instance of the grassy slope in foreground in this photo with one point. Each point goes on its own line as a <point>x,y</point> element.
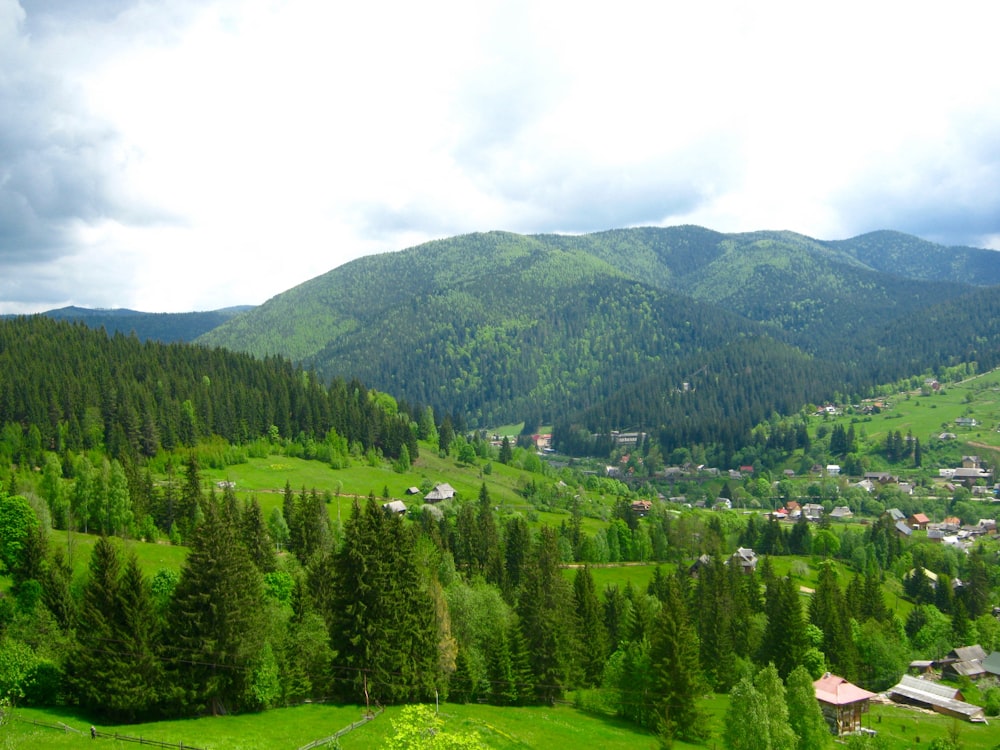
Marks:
<point>507,728</point>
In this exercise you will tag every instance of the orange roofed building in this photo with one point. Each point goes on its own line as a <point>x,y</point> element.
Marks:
<point>842,703</point>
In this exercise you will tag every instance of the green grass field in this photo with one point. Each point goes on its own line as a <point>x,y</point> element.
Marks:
<point>510,728</point>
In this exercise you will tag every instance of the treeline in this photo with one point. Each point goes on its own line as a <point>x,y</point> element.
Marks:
<point>68,389</point>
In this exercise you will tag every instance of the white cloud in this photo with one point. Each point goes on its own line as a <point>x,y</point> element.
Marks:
<point>172,156</point>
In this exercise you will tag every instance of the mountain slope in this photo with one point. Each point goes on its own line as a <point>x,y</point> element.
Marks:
<point>499,327</point>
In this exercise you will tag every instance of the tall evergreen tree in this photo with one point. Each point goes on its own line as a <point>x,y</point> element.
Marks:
<point>115,669</point>
<point>827,611</point>
<point>382,621</point>
<point>590,626</point>
<point>545,608</point>
<point>676,671</point>
<point>784,642</point>
<point>215,621</point>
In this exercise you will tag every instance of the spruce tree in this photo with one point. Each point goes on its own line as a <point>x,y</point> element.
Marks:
<point>784,642</point>
<point>827,611</point>
<point>215,626</point>
<point>115,669</point>
<point>545,608</point>
<point>590,626</point>
<point>676,672</point>
<point>383,623</point>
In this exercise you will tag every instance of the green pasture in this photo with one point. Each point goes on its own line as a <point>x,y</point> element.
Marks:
<point>639,574</point>
<point>927,416</point>
<point>77,548</point>
<point>504,728</point>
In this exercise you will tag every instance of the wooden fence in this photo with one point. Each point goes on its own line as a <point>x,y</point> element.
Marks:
<point>336,736</point>
<point>95,733</point>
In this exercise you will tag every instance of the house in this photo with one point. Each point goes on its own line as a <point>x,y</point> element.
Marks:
<point>842,703</point>
<point>865,484</point>
<point>921,666</point>
<point>412,490</point>
<point>833,469</point>
<point>934,696</point>
<point>896,514</point>
<point>812,511</point>
<point>966,661</point>
<point>970,474</point>
<point>703,561</point>
<point>746,559</point>
<point>903,529</point>
<point>947,436</point>
<point>966,422</point>
<point>882,477</point>
<point>919,521</point>
<point>841,513</point>
<point>440,492</point>
<point>395,506</point>
<point>642,507</point>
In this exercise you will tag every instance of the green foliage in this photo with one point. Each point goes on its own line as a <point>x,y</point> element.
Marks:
<point>420,727</point>
<point>17,520</point>
<point>804,713</point>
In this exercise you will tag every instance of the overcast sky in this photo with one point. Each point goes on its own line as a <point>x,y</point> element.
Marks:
<point>167,155</point>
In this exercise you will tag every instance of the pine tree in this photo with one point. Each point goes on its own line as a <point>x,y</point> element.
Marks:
<point>784,642</point>
<point>506,452</point>
<point>676,671</point>
<point>827,611</point>
<point>590,626</point>
<point>383,623</point>
<point>115,669</point>
<point>547,622</point>
<point>489,560</point>
<point>256,537</point>
<point>215,627</point>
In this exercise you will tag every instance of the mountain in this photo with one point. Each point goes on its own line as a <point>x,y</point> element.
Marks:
<point>166,327</point>
<point>499,327</point>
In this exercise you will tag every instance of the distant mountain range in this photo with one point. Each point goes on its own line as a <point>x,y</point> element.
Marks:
<point>606,328</point>
<point>166,327</point>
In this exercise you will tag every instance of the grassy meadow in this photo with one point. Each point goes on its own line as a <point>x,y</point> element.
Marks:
<point>507,728</point>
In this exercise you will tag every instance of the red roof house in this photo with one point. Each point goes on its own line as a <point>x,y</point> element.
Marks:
<point>842,703</point>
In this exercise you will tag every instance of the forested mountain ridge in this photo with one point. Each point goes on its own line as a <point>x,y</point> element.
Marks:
<point>166,327</point>
<point>503,327</point>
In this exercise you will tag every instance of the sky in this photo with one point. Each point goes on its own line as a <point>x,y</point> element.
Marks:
<point>178,155</point>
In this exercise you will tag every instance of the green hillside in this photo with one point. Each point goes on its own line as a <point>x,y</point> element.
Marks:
<point>500,327</point>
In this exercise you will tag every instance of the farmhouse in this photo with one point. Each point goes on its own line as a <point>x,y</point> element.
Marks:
<point>935,696</point>
<point>964,662</point>
<point>440,492</point>
<point>395,506</point>
<point>842,703</point>
<point>746,559</point>
<point>642,507</point>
